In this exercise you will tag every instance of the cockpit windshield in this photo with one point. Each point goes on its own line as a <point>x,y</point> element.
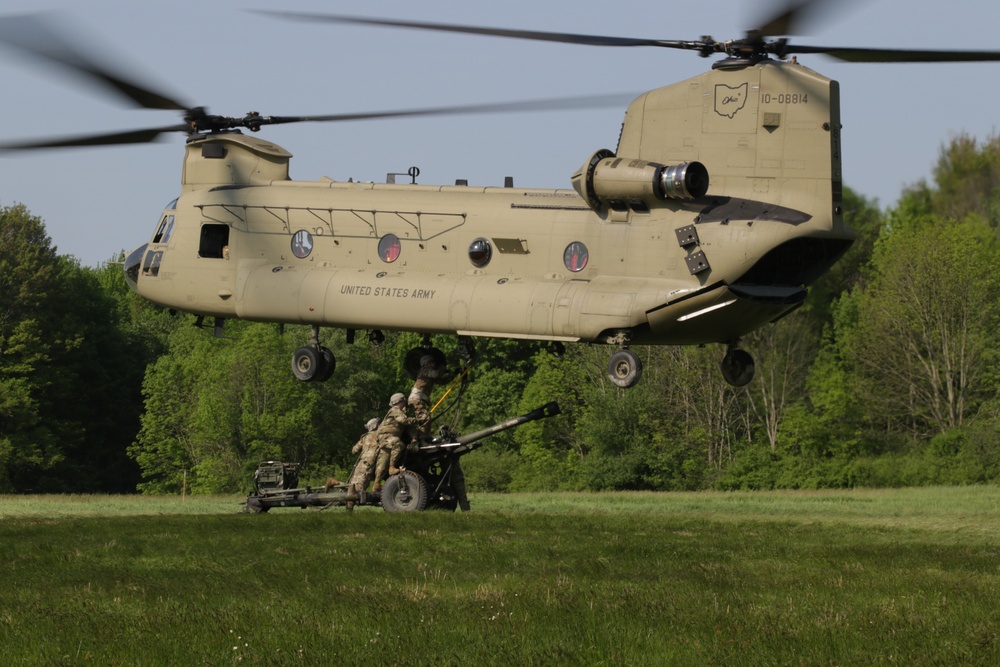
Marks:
<point>165,229</point>
<point>166,226</point>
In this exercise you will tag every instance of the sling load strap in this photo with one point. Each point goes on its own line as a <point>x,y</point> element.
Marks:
<point>459,378</point>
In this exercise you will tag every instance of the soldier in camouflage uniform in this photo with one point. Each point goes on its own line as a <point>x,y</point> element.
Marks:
<point>366,449</point>
<point>420,396</point>
<point>390,443</point>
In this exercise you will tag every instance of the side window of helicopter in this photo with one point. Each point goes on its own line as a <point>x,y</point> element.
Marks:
<point>214,241</point>
<point>480,253</point>
<point>575,256</point>
<point>389,248</point>
<point>302,244</point>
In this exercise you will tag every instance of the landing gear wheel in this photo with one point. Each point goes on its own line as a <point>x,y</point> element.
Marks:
<point>624,369</point>
<point>327,366</point>
<point>737,367</point>
<point>307,363</point>
<point>404,492</point>
<point>411,363</point>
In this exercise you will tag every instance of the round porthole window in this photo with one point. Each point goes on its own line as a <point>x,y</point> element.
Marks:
<point>480,253</point>
<point>302,243</point>
<point>388,248</point>
<point>575,256</point>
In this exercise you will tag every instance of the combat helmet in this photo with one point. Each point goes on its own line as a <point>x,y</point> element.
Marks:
<point>397,398</point>
<point>372,424</point>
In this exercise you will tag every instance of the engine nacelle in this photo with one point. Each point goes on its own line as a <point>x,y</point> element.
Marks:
<point>619,183</point>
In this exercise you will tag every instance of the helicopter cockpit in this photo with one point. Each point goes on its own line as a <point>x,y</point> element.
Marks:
<point>139,262</point>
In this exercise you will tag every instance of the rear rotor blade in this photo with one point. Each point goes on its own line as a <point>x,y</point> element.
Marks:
<point>864,55</point>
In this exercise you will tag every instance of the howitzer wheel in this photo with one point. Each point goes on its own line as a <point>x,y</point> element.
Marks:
<point>405,492</point>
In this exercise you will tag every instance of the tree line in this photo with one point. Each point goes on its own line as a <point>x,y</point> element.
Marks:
<point>887,376</point>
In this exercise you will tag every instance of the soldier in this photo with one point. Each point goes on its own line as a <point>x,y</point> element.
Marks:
<point>390,443</point>
<point>420,396</point>
<point>366,449</point>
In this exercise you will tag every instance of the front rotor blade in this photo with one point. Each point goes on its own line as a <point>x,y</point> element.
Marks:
<point>564,37</point>
<point>862,55</point>
<point>789,18</point>
<point>111,139</point>
<point>37,36</point>
<point>555,104</point>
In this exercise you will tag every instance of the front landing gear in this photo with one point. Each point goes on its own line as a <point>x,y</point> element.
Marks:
<point>313,362</point>
<point>625,368</point>
<point>737,367</point>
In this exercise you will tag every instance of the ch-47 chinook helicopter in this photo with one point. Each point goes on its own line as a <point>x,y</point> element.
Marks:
<point>719,206</point>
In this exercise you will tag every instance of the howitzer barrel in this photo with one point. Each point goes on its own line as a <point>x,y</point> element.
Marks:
<point>547,410</point>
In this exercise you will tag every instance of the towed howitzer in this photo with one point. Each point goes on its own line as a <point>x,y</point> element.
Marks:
<point>463,444</point>
<point>430,475</point>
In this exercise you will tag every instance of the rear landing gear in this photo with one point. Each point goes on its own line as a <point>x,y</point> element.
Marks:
<point>625,368</point>
<point>313,362</point>
<point>737,367</point>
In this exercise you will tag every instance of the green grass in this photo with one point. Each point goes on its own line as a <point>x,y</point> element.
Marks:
<point>815,578</point>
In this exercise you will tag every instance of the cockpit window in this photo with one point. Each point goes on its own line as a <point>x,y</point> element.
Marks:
<point>151,267</point>
<point>172,205</point>
<point>165,229</point>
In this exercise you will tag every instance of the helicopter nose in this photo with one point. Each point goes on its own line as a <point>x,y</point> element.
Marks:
<point>132,263</point>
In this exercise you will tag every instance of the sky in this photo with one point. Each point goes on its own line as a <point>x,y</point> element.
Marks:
<point>95,202</point>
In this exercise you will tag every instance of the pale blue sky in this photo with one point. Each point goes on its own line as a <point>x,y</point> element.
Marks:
<point>94,202</point>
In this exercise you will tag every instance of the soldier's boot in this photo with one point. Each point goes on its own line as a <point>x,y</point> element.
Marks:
<point>393,470</point>
<point>350,505</point>
<point>377,487</point>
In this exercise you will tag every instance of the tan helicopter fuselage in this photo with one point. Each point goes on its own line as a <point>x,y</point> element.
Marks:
<point>626,256</point>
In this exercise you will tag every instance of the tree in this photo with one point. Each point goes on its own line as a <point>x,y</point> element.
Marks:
<point>926,333</point>
<point>966,181</point>
<point>864,217</point>
<point>784,353</point>
<point>69,375</point>
<point>217,407</point>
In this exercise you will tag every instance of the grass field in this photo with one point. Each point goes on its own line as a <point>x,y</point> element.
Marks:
<point>902,577</point>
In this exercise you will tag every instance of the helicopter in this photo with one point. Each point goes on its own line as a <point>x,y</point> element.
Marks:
<point>719,206</point>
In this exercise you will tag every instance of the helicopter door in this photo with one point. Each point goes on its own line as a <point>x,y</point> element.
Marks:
<point>214,243</point>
